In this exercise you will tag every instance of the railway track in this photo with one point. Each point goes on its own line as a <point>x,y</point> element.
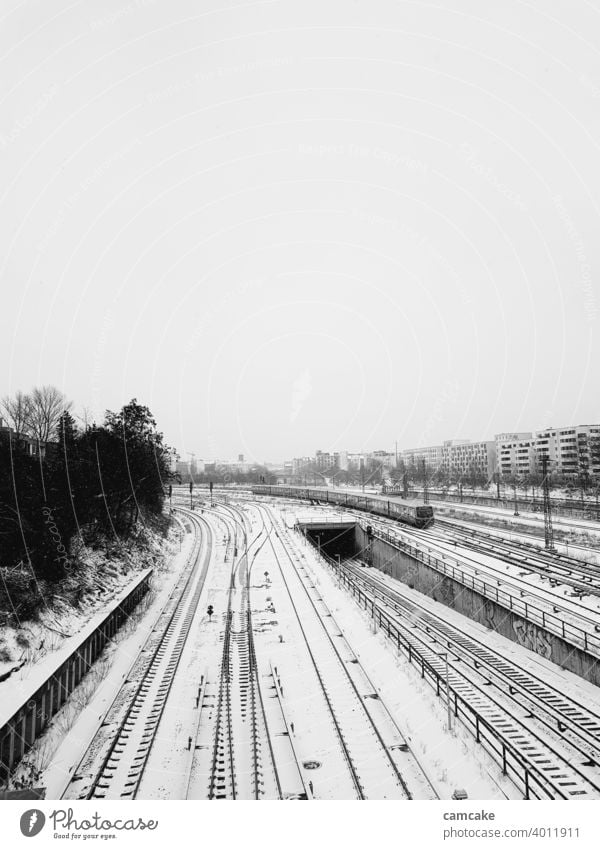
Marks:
<point>114,762</point>
<point>564,570</point>
<point>372,761</point>
<point>560,762</point>
<point>577,620</point>
<point>243,763</point>
<point>555,567</point>
<point>559,520</point>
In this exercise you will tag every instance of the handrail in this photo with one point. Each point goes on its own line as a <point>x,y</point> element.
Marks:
<point>578,637</point>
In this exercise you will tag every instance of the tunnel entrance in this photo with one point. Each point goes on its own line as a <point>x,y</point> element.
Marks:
<point>332,538</point>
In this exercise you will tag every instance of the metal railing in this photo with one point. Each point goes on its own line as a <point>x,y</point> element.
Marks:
<point>572,634</point>
<point>526,775</point>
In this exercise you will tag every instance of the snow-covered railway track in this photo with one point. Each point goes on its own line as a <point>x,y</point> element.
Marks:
<point>557,569</point>
<point>510,713</point>
<point>569,618</point>
<point>564,570</point>
<point>114,762</point>
<point>563,715</point>
<point>243,764</point>
<point>372,756</point>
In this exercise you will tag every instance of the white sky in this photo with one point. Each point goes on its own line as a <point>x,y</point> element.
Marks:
<point>295,225</point>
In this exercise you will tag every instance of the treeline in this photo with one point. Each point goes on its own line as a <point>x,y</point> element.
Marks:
<point>91,483</point>
<point>222,475</point>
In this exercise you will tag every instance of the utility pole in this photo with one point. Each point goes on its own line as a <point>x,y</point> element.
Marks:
<point>425,489</point>
<point>498,485</point>
<point>516,513</point>
<point>548,530</point>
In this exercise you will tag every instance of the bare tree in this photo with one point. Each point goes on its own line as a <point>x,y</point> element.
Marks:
<point>17,410</point>
<point>47,406</point>
<point>86,418</point>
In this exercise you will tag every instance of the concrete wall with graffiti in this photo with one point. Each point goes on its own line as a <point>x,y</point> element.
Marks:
<point>463,599</point>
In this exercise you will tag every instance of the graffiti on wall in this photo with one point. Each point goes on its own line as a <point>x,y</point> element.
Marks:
<point>532,637</point>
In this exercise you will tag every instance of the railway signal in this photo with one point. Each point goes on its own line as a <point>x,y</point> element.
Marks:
<point>210,611</point>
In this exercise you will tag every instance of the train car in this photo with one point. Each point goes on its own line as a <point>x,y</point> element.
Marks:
<point>408,511</point>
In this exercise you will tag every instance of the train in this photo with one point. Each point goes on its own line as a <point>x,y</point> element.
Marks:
<point>409,511</point>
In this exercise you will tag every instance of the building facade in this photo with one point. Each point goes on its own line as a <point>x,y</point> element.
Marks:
<point>432,454</point>
<point>571,452</point>
<point>515,454</point>
<point>462,458</point>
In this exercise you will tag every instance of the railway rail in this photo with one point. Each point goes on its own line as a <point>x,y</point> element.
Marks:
<point>243,761</point>
<point>558,567</point>
<point>114,762</point>
<point>562,715</point>
<point>371,760</point>
<point>571,620</point>
<point>541,765</point>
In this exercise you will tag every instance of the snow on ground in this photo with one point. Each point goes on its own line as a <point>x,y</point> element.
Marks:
<point>568,523</point>
<point>60,748</point>
<point>566,682</point>
<point>102,580</point>
<point>515,579</point>
<point>517,533</point>
<point>451,760</point>
<point>167,773</point>
<point>524,585</point>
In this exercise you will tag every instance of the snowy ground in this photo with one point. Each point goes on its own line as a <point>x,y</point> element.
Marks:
<point>519,533</point>
<point>559,603</point>
<point>567,523</point>
<point>101,579</point>
<point>58,751</point>
<point>435,761</point>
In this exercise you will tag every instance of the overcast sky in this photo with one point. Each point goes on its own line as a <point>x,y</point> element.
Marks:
<point>286,226</point>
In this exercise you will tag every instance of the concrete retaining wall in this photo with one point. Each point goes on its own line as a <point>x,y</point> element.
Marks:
<point>25,726</point>
<point>455,595</point>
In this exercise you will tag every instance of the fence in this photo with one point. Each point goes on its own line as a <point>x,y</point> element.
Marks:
<point>572,634</point>
<point>25,726</point>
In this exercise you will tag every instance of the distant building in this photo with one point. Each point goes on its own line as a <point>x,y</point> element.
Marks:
<point>384,458</point>
<point>462,458</point>
<point>32,446</point>
<point>570,451</point>
<point>433,456</point>
<point>325,460</point>
<point>515,453</point>
<point>343,461</point>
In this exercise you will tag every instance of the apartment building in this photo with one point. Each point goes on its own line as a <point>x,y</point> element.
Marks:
<point>570,451</point>
<point>385,459</point>
<point>432,454</point>
<point>463,458</point>
<point>515,453</point>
